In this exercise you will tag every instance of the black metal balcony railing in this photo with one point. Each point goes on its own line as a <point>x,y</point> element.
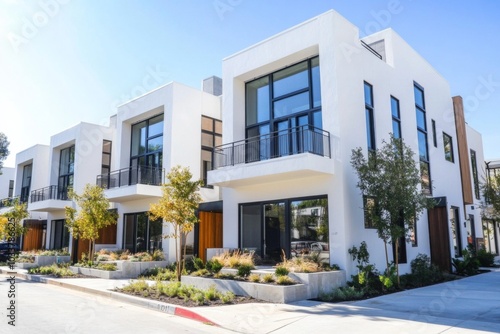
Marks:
<point>50,192</point>
<point>7,202</point>
<point>130,176</point>
<point>301,139</point>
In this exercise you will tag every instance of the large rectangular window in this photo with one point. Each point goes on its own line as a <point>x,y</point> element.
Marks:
<point>147,143</point>
<point>422,139</point>
<point>141,234</point>
<point>11,188</point>
<point>26,183</point>
<point>370,124</point>
<point>299,227</point>
<point>475,176</point>
<point>59,235</point>
<point>396,118</point>
<point>280,108</point>
<point>66,172</point>
<point>448,147</point>
<point>211,136</point>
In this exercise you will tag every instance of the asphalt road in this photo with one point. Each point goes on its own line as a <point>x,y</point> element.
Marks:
<point>42,308</point>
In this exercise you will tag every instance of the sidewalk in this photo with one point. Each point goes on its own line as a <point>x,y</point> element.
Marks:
<point>469,305</point>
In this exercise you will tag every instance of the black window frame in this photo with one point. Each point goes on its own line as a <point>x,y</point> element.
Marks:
<point>368,224</point>
<point>475,175</point>
<point>434,133</point>
<point>11,189</point>
<point>451,153</point>
<point>66,177</point>
<point>396,119</point>
<point>423,161</point>
<point>271,122</point>
<point>288,218</point>
<point>134,232</point>
<point>369,116</point>
<point>147,154</point>
<point>207,166</point>
<point>59,228</point>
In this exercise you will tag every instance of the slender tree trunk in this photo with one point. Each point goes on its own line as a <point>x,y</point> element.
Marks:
<point>183,242</point>
<point>386,256</point>
<point>397,259</point>
<point>178,266</point>
<point>90,252</point>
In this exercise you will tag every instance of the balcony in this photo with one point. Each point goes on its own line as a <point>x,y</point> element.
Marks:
<point>132,183</point>
<point>51,198</point>
<point>293,153</point>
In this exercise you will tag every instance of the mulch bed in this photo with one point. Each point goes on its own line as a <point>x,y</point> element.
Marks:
<point>190,303</point>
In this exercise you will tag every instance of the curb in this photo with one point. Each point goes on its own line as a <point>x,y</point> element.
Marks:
<point>142,302</point>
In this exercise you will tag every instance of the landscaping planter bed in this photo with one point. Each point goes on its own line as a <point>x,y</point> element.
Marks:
<point>268,292</point>
<point>43,260</point>
<point>311,285</point>
<point>126,269</point>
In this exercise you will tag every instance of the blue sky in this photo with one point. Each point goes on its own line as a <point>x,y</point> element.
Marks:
<point>66,61</point>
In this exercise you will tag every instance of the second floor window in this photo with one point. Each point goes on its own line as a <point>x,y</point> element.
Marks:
<point>423,150</point>
<point>448,147</point>
<point>147,143</point>
<point>281,108</point>
<point>66,172</point>
<point>370,124</point>
<point>475,176</point>
<point>396,118</point>
<point>211,136</point>
<point>26,183</point>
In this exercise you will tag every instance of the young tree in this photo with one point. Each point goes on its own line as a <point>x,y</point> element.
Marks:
<point>17,213</point>
<point>4,149</point>
<point>92,215</point>
<point>491,192</point>
<point>178,207</point>
<point>390,177</point>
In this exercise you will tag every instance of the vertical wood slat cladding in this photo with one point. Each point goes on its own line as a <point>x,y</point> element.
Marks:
<point>463,150</point>
<point>107,235</point>
<point>33,239</point>
<point>439,238</point>
<point>82,247</point>
<point>210,232</point>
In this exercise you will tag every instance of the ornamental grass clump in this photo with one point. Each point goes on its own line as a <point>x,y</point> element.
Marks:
<point>235,259</point>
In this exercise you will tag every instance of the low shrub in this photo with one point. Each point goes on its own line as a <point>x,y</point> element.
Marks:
<point>281,271</point>
<point>200,272</point>
<point>227,298</point>
<point>160,274</point>
<point>158,255</point>
<point>254,278</point>
<point>268,278</point>
<point>245,269</point>
<point>198,263</point>
<point>467,266</point>
<point>285,280</point>
<point>106,266</point>
<point>214,266</point>
<point>58,270</point>
<point>485,258</point>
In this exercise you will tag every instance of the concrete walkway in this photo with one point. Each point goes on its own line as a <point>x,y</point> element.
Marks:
<point>469,305</point>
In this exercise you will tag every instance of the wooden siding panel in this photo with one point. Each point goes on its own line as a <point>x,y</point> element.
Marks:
<point>463,150</point>
<point>107,235</point>
<point>439,238</point>
<point>210,232</point>
<point>34,238</point>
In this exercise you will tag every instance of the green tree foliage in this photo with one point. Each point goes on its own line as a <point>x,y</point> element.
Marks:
<point>491,193</point>
<point>178,207</point>
<point>4,149</point>
<point>390,176</point>
<point>91,215</point>
<point>17,213</point>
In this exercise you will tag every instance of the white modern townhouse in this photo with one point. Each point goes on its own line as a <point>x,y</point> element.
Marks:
<point>296,104</point>
<point>6,188</point>
<point>72,160</point>
<point>171,125</point>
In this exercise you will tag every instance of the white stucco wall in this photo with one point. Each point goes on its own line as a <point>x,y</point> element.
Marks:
<point>8,173</point>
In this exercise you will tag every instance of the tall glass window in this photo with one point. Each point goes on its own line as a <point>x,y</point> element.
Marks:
<point>60,234</point>
<point>26,183</point>
<point>396,118</point>
<point>370,125</point>
<point>283,103</point>
<point>211,136</point>
<point>141,234</point>
<point>422,139</point>
<point>297,226</point>
<point>66,172</point>
<point>448,147</point>
<point>147,143</point>
<point>475,176</point>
